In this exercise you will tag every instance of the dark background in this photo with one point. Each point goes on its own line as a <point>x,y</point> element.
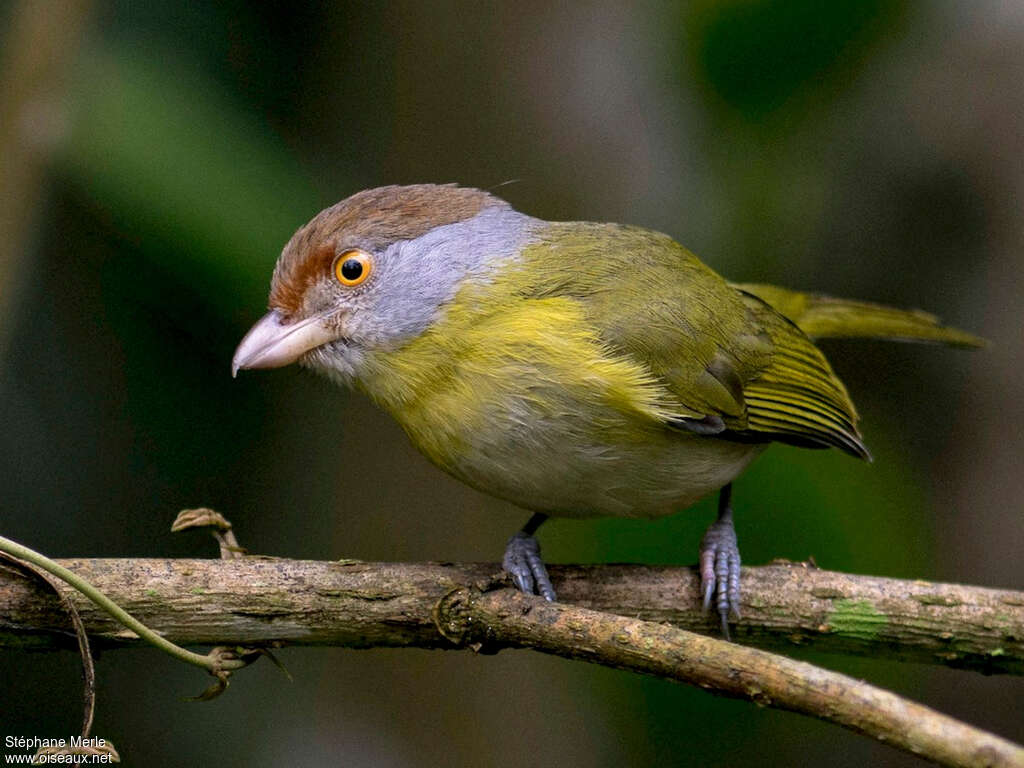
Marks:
<point>871,149</point>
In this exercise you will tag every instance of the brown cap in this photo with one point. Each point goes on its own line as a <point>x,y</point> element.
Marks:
<point>371,220</point>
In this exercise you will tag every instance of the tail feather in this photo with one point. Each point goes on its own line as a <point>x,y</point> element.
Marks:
<point>824,316</point>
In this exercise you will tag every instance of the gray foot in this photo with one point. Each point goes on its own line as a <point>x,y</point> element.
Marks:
<point>720,569</point>
<point>523,563</point>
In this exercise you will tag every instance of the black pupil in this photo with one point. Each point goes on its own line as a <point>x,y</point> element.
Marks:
<point>351,269</point>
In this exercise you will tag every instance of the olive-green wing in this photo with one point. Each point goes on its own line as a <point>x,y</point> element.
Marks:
<point>649,299</point>
<point>751,373</point>
<point>735,367</point>
<point>797,397</point>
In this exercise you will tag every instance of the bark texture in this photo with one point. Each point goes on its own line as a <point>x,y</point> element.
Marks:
<point>258,600</point>
<point>618,616</point>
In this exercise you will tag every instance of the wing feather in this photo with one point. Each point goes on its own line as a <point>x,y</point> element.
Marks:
<point>798,394</point>
<point>734,366</point>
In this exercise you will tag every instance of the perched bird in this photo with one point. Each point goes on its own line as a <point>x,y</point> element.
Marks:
<point>571,368</point>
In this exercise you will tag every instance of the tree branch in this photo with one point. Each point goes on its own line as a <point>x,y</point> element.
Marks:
<point>259,600</point>
<point>724,668</point>
<point>264,601</point>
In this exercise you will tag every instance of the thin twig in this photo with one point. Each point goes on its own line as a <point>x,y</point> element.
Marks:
<point>215,664</point>
<point>88,668</point>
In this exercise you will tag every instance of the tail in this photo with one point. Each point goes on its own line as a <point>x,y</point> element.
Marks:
<point>824,316</point>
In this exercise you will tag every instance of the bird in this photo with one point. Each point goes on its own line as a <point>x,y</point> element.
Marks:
<point>574,369</point>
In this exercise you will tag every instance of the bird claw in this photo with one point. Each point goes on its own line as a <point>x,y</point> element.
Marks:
<point>720,571</point>
<point>523,563</point>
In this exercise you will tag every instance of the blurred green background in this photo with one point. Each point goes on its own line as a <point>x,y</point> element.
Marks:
<point>155,157</point>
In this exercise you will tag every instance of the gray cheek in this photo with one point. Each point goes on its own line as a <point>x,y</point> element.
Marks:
<point>417,278</point>
<point>339,361</point>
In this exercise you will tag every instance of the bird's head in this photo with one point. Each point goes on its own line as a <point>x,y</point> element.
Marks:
<point>374,271</point>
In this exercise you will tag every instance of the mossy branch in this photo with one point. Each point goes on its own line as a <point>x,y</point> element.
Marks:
<point>256,601</point>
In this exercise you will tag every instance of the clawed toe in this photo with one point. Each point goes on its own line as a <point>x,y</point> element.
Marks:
<point>523,563</point>
<point>720,571</point>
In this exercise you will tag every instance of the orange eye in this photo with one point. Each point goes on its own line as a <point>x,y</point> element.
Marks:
<point>353,267</point>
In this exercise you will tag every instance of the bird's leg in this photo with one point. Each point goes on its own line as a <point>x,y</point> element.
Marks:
<point>720,562</point>
<point>523,563</point>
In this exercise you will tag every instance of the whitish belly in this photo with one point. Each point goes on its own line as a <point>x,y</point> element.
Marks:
<point>659,475</point>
